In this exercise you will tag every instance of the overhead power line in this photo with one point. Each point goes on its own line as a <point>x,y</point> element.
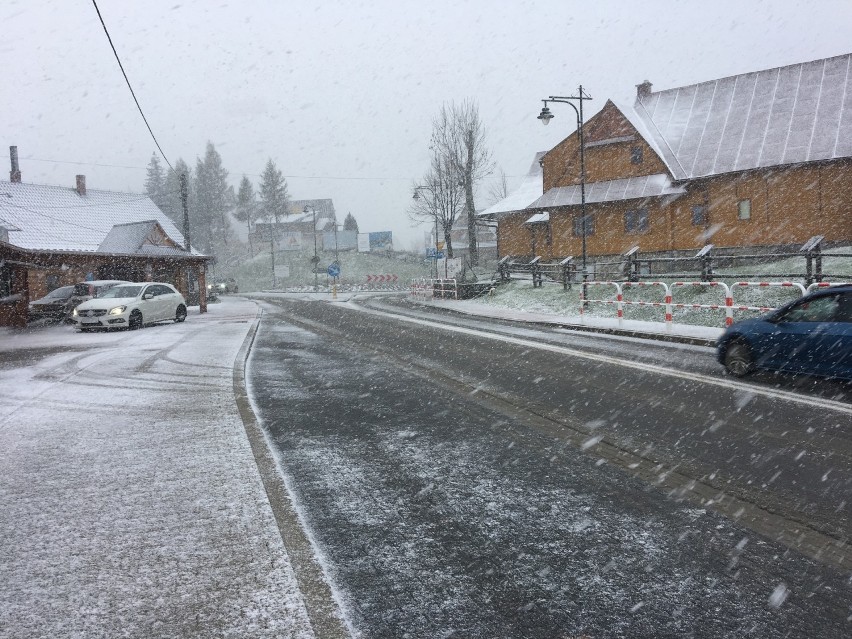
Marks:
<point>299,177</point>
<point>133,93</point>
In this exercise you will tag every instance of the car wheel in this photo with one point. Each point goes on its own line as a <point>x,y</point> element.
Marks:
<point>738,359</point>
<point>180,313</point>
<point>135,320</point>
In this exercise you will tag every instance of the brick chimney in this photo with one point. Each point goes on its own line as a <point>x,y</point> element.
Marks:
<point>15,173</point>
<point>81,185</point>
<point>643,90</point>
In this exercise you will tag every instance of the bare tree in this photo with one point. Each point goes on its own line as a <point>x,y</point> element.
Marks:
<point>459,139</point>
<point>500,189</point>
<point>439,199</point>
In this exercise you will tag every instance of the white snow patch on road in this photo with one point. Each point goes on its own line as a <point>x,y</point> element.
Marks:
<point>131,502</point>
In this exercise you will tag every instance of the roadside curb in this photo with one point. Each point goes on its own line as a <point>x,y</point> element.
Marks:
<point>606,330</point>
<point>323,611</point>
<point>660,337</point>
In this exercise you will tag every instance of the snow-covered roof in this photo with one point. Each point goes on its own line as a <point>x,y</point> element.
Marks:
<point>146,238</point>
<point>529,190</point>
<point>539,218</point>
<point>610,191</point>
<point>786,115</point>
<point>323,207</point>
<point>59,219</point>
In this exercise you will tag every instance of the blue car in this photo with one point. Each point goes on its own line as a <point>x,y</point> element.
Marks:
<point>812,335</point>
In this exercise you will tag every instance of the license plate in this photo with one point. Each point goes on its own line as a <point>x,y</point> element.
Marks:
<point>88,320</point>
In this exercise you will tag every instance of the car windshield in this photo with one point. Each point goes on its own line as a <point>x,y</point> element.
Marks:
<point>122,291</point>
<point>821,309</point>
<point>59,293</point>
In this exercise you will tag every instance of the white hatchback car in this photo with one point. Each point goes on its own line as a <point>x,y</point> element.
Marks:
<point>131,306</point>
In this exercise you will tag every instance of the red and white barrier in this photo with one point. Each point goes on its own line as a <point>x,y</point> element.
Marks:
<point>616,301</point>
<point>421,288</point>
<point>827,285</point>
<point>382,279</point>
<point>727,305</point>
<point>666,303</point>
<point>444,288</point>
<point>764,309</point>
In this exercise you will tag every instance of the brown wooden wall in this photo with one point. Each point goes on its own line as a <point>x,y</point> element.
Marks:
<point>788,206</point>
<point>608,154</point>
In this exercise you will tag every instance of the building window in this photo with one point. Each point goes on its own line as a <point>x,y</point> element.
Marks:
<point>744,209</point>
<point>578,226</point>
<point>636,154</point>
<point>52,282</point>
<point>5,280</point>
<point>636,221</point>
<point>699,215</point>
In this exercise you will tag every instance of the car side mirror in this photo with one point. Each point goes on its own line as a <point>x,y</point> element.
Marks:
<point>148,296</point>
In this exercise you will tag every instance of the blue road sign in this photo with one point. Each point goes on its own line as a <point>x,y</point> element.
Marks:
<point>431,251</point>
<point>439,255</point>
<point>334,269</point>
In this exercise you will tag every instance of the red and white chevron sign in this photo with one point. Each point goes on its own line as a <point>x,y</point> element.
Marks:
<point>382,279</point>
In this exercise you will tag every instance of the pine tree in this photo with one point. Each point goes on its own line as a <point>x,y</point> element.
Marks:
<point>210,224</point>
<point>350,224</point>
<point>172,205</point>
<point>155,182</point>
<point>246,208</point>
<point>274,197</point>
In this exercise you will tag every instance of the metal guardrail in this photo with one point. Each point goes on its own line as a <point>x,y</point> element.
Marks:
<point>563,272</point>
<point>706,261</point>
<point>727,305</point>
<point>434,288</point>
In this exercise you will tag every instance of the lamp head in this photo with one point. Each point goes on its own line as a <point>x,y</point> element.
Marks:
<point>545,116</point>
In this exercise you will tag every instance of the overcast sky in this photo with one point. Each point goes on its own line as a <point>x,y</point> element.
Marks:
<point>341,94</point>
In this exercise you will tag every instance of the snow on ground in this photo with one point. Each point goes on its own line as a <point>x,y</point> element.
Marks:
<point>534,313</point>
<point>130,503</point>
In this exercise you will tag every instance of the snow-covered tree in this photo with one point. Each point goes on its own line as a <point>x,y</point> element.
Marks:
<point>246,209</point>
<point>155,182</point>
<point>350,224</point>
<point>274,197</point>
<point>211,226</point>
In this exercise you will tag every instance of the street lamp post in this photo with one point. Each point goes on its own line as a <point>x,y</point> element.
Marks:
<point>315,260</point>
<point>416,196</point>
<point>546,116</point>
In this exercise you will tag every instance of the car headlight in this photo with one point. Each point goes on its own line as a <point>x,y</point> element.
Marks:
<point>74,313</point>
<point>118,310</point>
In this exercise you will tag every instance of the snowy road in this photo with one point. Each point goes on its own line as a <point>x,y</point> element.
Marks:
<point>520,487</point>
<point>130,501</point>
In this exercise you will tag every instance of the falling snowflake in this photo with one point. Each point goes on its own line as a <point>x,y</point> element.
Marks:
<point>779,595</point>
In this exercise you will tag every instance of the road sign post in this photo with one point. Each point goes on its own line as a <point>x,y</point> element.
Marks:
<point>333,272</point>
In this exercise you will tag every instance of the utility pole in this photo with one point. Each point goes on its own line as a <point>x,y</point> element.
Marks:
<point>189,274</point>
<point>183,196</point>
<point>272,257</point>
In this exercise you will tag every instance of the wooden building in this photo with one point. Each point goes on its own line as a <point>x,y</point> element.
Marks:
<point>755,160</point>
<point>52,236</point>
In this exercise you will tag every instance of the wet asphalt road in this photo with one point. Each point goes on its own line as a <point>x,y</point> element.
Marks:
<point>460,486</point>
